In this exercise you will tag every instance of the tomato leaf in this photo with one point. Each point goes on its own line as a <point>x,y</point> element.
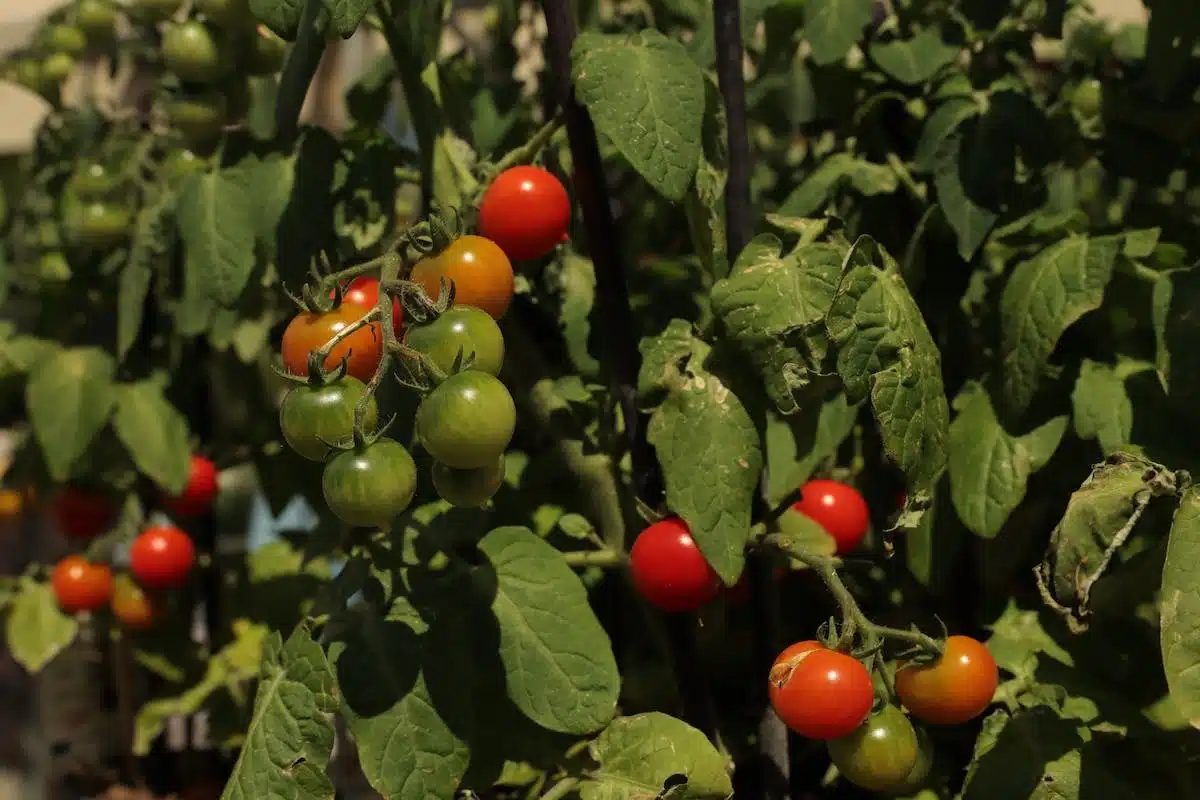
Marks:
<point>886,354</point>
<point>291,735</point>
<point>646,95</point>
<point>36,630</point>
<point>216,217</point>
<point>152,717</point>
<point>914,60</point>
<point>558,660</point>
<point>1176,331</point>
<point>70,398</point>
<point>154,433</point>
<point>797,445</point>
<point>1180,607</point>
<point>837,170</point>
<point>642,755</point>
<point>151,246</point>
<point>704,204</point>
<point>833,26</point>
<point>970,220</point>
<point>939,127</point>
<point>990,468</point>
<point>1102,408</point>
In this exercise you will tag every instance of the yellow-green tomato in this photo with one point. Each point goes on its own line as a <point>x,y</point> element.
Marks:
<point>195,52</point>
<point>28,73</point>
<point>180,163</point>
<point>53,267</point>
<point>468,488</point>
<point>880,754</point>
<point>97,19</point>
<point>466,328</point>
<point>64,39</point>
<point>57,67</point>
<point>200,118</point>
<point>265,52</point>
<point>94,180</point>
<point>99,225</point>
<point>468,421</point>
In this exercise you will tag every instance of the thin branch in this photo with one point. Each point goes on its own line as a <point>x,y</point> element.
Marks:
<point>595,558</point>
<point>728,32</point>
<point>529,151</point>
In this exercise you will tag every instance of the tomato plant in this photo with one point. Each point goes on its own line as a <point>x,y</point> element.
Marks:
<point>461,328</point>
<point>837,508</point>
<point>820,693</point>
<point>880,754</point>
<point>161,557</point>
<point>955,688</point>
<point>481,273</point>
<point>669,570</point>
<point>310,331</point>
<point>467,421</point>
<point>314,417</point>
<point>526,211</point>
<point>80,585</point>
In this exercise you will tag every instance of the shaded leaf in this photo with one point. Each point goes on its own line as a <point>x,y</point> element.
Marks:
<point>216,217</point>
<point>834,172</point>
<point>154,433</point>
<point>70,398</point>
<point>914,60</point>
<point>1180,607</point>
<point>36,630</point>
<point>1102,408</point>
<point>833,26</point>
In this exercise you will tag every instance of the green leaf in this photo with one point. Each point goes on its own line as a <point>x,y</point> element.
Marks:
<point>36,630</point>
<point>1177,329</point>
<point>886,354</point>
<point>1019,634</point>
<point>971,221</point>
<point>558,660</point>
<point>945,120</point>
<point>773,307</point>
<point>833,172</point>
<point>268,184</point>
<point>832,27</point>
<point>798,444</point>
<point>1102,408</point>
<point>577,290</point>
<point>711,458</point>
<point>1036,755</point>
<point>154,433</point>
<point>641,757</point>
<point>151,246</point>
<point>646,95</point>
<point>1180,606</point>
<point>989,468</point>
<point>22,354</point>
<point>216,217</point>
<point>453,170</point>
<point>915,60</point>
<point>291,732</point>
<point>281,16</point>
<point>69,399</point>
<point>661,357</point>
<point>347,14</point>
<point>152,717</point>
<point>1043,297</point>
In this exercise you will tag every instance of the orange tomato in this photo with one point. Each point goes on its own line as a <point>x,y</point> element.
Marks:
<point>309,331</point>
<point>131,605</point>
<point>955,688</point>
<point>482,274</point>
<point>80,585</point>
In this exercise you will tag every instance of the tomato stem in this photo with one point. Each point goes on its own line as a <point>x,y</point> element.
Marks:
<point>530,150</point>
<point>595,558</point>
<point>561,789</point>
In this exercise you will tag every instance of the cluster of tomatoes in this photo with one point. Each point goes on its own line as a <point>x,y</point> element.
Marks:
<point>160,557</point>
<point>52,57</point>
<point>467,421</point>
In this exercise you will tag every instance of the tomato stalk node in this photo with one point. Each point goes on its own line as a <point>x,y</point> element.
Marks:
<point>522,155</point>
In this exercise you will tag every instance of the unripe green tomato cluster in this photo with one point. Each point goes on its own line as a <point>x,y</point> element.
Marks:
<point>96,213</point>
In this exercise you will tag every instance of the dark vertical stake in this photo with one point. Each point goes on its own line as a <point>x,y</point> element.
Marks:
<point>621,356</point>
<point>727,29</point>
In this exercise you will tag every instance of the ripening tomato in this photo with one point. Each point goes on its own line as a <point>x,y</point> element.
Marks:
<point>482,274</point>
<point>132,605</point>
<point>195,52</point>
<point>839,509</point>
<point>879,755</point>
<point>465,328</point>
<point>311,331</point>
<point>200,492</point>
<point>467,421</point>
<point>80,585</point>
<point>468,488</point>
<point>80,514</point>
<point>161,557</point>
<point>820,693</point>
<point>669,570</point>
<point>955,688</point>
<point>526,211</point>
<point>371,486</point>
<point>311,416</point>
<point>364,291</point>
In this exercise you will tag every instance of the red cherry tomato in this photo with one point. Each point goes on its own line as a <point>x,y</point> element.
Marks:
<point>669,570</point>
<point>200,492</point>
<point>955,688</point>
<point>818,692</point>
<point>161,557</point>
<point>837,508</point>
<point>80,514</point>
<point>364,291</point>
<point>526,211</point>
<point>80,585</point>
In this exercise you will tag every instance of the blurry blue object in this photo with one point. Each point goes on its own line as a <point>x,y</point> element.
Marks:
<point>262,527</point>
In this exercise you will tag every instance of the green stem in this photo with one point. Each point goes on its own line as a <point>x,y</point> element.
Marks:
<point>561,789</point>
<point>595,558</point>
<point>317,357</point>
<point>529,151</point>
<point>389,270</point>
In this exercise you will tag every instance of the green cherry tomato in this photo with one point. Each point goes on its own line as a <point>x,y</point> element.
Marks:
<point>310,416</point>
<point>466,327</point>
<point>97,19</point>
<point>467,421</point>
<point>93,181</point>
<point>468,488</point>
<point>194,52</point>
<point>149,12</point>
<point>915,780</point>
<point>1088,98</point>
<point>99,225</point>
<point>370,486</point>
<point>53,267</point>
<point>880,754</point>
<point>27,72</point>
<point>57,67</point>
<point>64,39</point>
<point>265,52</point>
<point>180,163</point>
<point>232,15</point>
<point>199,118</point>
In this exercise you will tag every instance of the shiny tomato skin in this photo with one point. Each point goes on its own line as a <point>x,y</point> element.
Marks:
<point>468,488</point>
<point>99,225</point>
<point>669,570</point>
<point>161,557</point>
<point>200,492</point>
<point>80,585</point>
<point>364,291</point>
<point>80,514</point>
<point>180,163</point>
<point>310,416</point>
<point>310,331</point>
<point>133,607</point>
<point>466,327</point>
<point>880,754</point>
<point>526,211</point>
<point>194,52</point>
<point>952,690</point>
<point>467,421</point>
<point>820,693</point>
<point>839,509</point>
<point>371,486</point>
<point>481,272</point>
